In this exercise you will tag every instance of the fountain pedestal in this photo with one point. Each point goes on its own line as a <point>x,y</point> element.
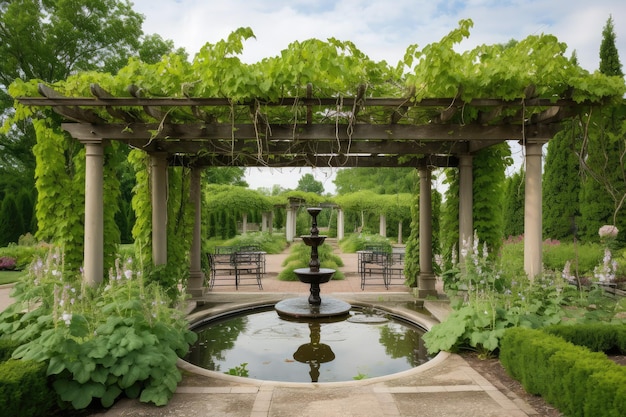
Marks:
<point>313,306</point>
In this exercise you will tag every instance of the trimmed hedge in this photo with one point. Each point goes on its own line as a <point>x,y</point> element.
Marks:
<point>24,390</point>
<point>7,347</point>
<point>572,378</point>
<point>598,337</point>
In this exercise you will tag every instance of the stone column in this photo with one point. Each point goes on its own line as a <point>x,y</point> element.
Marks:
<point>289,230</point>
<point>466,226</point>
<point>532,210</point>
<point>340,224</point>
<point>158,164</point>
<point>400,232</point>
<point>270,222</point>
<point>426,281</point>
<point>382,226</point>
<point>264,217</point>
<point>94,213</point>
<point>244,223</point>
<point>195,286</point>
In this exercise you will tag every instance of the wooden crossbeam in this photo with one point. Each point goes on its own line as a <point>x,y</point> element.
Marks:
<point>336,161</point>
<point>316,132</point>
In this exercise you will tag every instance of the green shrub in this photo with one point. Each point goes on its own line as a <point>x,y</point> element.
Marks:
<point>270,243</point>
<point>586,256</point>
<point>572,378</point>
<point>598,337</point>
<point>300,256</point>
<point>24,390</point>
<point>24,255</point>
<point>356,242</point>
<point>7,346</point>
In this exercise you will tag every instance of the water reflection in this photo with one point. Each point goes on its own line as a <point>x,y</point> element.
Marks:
<point>314,353</point>
<point>290,351</point>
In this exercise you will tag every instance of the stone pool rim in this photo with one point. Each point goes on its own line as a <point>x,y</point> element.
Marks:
<point>200,318</point>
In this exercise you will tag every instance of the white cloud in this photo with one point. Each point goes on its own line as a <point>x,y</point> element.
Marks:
<point>380,28</point>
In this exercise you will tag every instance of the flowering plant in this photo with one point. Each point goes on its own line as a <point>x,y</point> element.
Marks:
<point>608,231</point>
<point>605,273</point>
<point>7,263</point>
<point>120,338</point>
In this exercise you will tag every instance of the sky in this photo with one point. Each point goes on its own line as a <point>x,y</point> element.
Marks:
<point>382,29</point>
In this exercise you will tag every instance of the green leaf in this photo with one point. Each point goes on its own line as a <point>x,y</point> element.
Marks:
<point>56,365</point>
<point>111,394</point>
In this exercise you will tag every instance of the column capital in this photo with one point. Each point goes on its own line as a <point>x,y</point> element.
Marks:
<point>93,141</point>
<point>534,141</point>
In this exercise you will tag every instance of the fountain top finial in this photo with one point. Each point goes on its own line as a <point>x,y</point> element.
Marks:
<point>314,211</point>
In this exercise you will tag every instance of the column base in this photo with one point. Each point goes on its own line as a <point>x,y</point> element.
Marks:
<point>195,285</point>
<point>426,285</point>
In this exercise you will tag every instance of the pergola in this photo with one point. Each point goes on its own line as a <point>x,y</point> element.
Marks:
<point>427,134</point>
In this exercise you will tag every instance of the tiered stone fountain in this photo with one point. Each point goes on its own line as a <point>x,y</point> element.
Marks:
<point>314,306</point>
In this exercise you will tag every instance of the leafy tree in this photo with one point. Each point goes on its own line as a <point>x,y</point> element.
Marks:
<point>309,184</point>
<point>377,180</point>
<point>48,41</point>
<point>561,184</point>
<point>225,175</point>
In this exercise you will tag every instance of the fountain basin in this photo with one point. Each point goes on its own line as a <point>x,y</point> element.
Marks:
<point>307,276</point>
<point>301,351</point>
<point>301,308</point>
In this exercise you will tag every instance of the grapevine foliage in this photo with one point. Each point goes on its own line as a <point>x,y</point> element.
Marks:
<point>333,68</point>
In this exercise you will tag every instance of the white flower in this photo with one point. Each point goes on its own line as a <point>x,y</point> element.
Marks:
<point>128,274</point>
<point>608,231</point>
<point>67,318</point>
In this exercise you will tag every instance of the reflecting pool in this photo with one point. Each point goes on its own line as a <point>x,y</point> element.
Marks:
<point>264,346</point>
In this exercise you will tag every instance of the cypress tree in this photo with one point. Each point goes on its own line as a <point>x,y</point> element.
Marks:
<point>514,204</point>
<point>604,185</point>
<point>11,222</point>
<point>561,184</point>
<point>609,56</point>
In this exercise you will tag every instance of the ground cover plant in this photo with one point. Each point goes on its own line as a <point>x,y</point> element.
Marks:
<point>122,338</point>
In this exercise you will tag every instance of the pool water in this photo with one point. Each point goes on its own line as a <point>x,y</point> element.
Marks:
<point>264,346</point>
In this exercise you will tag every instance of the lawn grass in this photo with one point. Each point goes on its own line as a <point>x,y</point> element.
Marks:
<point>8,277</point>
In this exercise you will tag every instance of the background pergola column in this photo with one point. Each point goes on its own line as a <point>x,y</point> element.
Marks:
<point>195,286</point>
<point>426,279</point>
<point>289,221</point>
<point>466,201</point>
<point>532,210</point>
<point>94,212</point>
<point>244,223</point>
<point>158,164</point>
<point>340,224</point>
<point>382,226</point>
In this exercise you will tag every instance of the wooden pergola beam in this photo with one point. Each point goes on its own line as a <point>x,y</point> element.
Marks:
<point>316,132</point>
<point>316,160</point>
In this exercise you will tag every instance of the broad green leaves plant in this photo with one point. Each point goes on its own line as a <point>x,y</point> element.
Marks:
<point>486,301</point>
<point>122,338</point>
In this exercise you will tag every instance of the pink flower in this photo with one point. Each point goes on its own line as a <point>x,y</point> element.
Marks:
<point>608,231</point>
